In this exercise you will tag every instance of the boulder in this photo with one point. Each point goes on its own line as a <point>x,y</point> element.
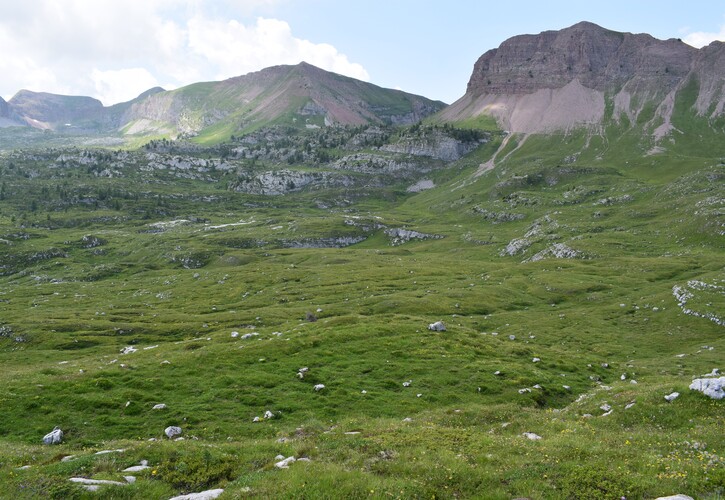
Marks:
<point>53,437</point>
<point>172,431</point>
<point>438,326</point>
<point>672,397</point>
<point>713,388</point>
<point>203,495</point>
<point>284,464</point>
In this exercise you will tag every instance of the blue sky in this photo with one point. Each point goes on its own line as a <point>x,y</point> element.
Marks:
<point>115,50</point>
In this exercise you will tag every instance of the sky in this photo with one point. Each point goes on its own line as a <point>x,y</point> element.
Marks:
<point>114,50</point>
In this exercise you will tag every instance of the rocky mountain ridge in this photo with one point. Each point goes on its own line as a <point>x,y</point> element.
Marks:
<point>301,95</point>
<point>585,75</point>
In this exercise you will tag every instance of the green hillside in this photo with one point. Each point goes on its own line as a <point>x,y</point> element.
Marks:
<point>554,272</point>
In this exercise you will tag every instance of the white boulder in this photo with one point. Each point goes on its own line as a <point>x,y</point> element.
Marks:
<point>53,437</point>
<point>673,396</point>
<point>203,495</point>
<point>172,431</point>
<point>713,388</point>
<point>438,326</point>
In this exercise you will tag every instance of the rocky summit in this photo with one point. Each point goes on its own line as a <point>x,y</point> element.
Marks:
<point>586,75</point>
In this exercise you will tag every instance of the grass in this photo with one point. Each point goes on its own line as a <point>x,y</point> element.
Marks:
<point>85,275</point>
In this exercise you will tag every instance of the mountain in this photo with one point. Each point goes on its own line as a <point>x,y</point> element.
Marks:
<point>301,95</point>
<point>49,111</point>
<point>586,75</point>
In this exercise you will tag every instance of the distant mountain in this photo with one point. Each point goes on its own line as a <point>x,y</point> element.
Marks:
<point>301,95</point>
<point>586,75</point>
<point>48,111</point>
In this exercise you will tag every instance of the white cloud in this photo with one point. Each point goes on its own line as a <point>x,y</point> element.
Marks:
<point>110,49</point>
<point>701,38</point>
<point>234,49</point>
<point>121,85</point>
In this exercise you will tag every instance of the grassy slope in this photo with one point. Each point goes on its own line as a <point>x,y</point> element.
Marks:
<point>465,437</point>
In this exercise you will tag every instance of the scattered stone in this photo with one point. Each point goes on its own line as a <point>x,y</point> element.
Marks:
<point>268,414</point>
<point>512,337</point>
<point>607,413</point>
<point>679,496</point>
<point>629,405</point>
<point>352,433</point>
<point>363,391</point>
<point>284,464</point>
<point>673,396</point>
<point>204,495</point>
<point>623,376</point>
<point>536,360</point>
<point>418,395</point>
<point>53,437</point>
<point>407,384</point>
<point>24,467</point>
<point>301,372</point>
<point>279,457</point>
<point>160,406</point>
<point>68,458</point>
<point>605,407</point>
<point>105,452</point>
<point>304,459</point>
<point>407,419</point>
<point>128,350</point>
<point>497,372</point>
<point>94,484</point>
<point>136,468</point>
<point>438,326</point>
<point>713,388</point>
<point>568,388</point>
<point>524,390</point>
<point>130,479</point>
<point>319,387</point>
<point>235,335</point>
<point>256,419</point>
<point>531,436</point>
<point>172,431</point>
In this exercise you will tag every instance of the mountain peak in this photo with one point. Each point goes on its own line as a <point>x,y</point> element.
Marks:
<point>557,80</point>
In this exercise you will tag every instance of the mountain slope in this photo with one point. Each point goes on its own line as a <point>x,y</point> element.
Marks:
<point>49,111</point>
<point>301,95</point>
<point>586,75</point>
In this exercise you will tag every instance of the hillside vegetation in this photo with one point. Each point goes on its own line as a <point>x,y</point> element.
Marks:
<point>170,276</point>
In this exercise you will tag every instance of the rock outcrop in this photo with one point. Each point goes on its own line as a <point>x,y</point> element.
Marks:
<point>558,80</point>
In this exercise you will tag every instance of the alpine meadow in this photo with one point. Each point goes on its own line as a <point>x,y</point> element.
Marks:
<point>295,284</point>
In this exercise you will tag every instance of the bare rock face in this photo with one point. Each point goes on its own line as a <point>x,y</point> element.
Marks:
<point>558,80</point>
<point>599,58</point>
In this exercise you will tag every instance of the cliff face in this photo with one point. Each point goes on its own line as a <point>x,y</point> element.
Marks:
<point>557,80</point>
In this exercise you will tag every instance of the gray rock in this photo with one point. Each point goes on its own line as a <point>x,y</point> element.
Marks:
<point>284,464</point>
<point>438,326</point>
<point>160,406</point>
<point>172,431</point>
<point>136,468</point>
<point>203,495</point>
<point>53,437</point>
<point>713,388</point>
<point>673,396</point>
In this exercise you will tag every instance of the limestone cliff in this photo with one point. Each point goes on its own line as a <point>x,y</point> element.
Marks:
<point>584,75</point>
